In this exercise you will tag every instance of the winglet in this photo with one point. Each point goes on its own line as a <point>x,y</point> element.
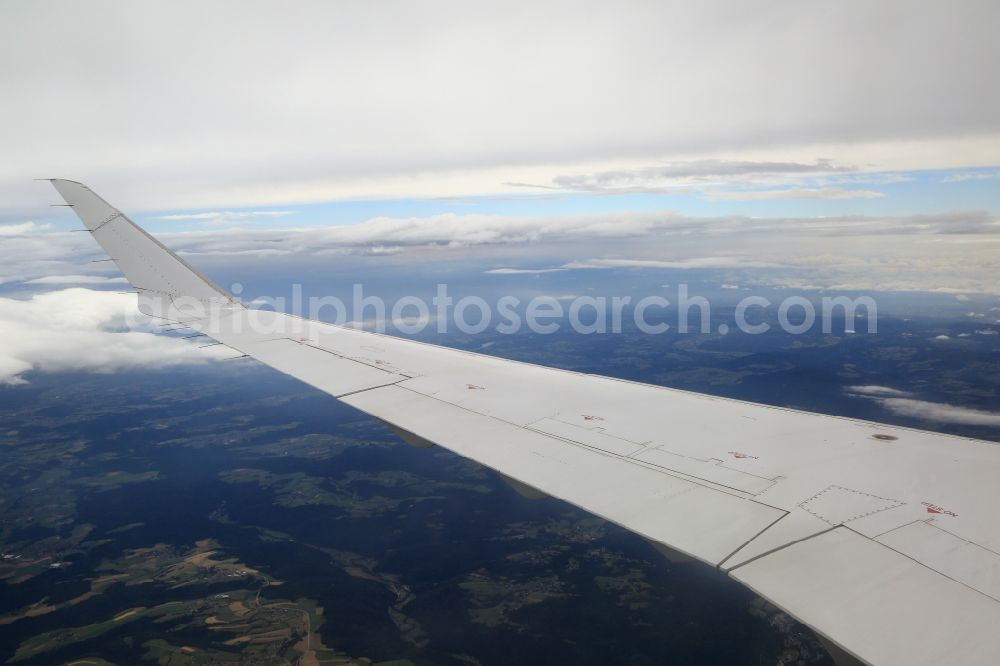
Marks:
<point>146,263</point>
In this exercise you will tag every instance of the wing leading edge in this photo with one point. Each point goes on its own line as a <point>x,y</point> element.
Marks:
<point>882,539</point>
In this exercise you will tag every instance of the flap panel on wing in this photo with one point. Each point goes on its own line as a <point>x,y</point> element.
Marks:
<point>882,605</point>
<point>328,372</point>
<point>592,437</point>
<point>962,560</point>
<point>712,471</point>
<point>694,519</point>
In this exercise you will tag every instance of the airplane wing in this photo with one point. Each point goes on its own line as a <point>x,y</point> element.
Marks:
<point>884,540</point>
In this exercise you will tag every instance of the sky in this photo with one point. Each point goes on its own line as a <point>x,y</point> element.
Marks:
<point>812,146</point>
<point>182,105</point>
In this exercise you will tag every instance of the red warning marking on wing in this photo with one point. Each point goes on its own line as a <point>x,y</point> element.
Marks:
<point>590,417</point>
<point>473,387</point>
<point>934,508</point>
<point>740,454</point>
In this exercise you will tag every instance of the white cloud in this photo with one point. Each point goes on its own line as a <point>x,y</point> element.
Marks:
<point>898,402</point>
<point>961,177</point>
<point>942,337</point>
<point>940,412</point>
<point>522,271</point>
<point>686,263</point>
<point>845,253</point>
<point>987,331</point>
<point>77,279</point>
<point>226,216</point>
<point>684,176</point>
<point>84,330</point>
<point>794,193</point>
<point>474,229</point>
<point>681,264</point>
<point>22,228</point>
<point>874,390</point>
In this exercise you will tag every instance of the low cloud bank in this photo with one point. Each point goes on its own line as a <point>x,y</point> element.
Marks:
<point>84,330</point>
<point>939,412</point>
<point>955,252</point>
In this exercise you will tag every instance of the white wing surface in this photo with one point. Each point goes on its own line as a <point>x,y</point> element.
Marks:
<point>884,540</point>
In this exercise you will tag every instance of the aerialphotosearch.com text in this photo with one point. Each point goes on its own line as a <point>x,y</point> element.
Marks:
<point>588,315</point>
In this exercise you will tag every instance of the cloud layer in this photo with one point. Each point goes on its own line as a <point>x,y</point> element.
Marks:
<point>902,403</point>
<point>83,330</point>
<point>679,176</point>
<point>953,252</point>
<point>940,412</point>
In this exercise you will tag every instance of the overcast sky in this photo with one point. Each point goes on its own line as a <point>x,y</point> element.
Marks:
<point>848,138</point>
<point>185,104</point>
